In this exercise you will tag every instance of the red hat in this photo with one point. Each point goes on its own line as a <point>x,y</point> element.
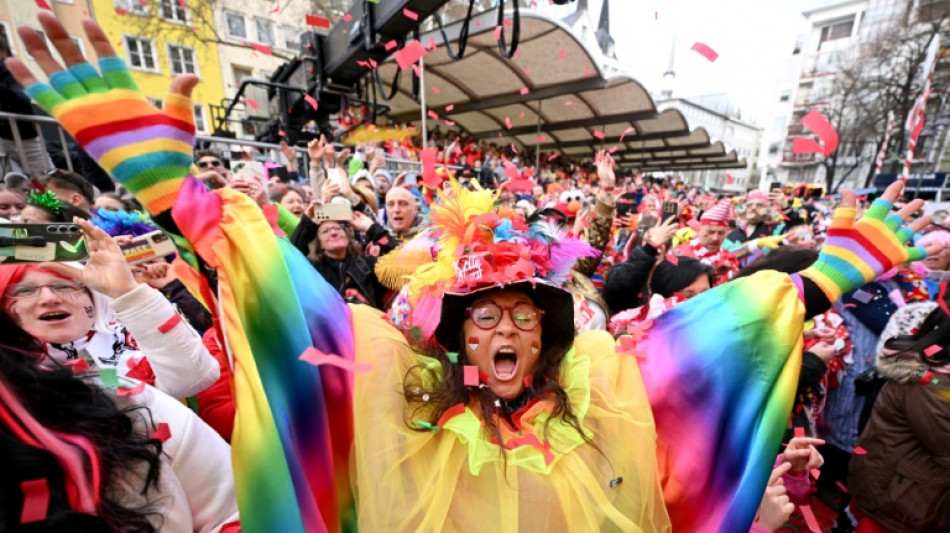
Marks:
<point>718,215</point>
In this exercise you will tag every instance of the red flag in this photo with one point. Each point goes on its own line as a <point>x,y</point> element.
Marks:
<point>705,51</point>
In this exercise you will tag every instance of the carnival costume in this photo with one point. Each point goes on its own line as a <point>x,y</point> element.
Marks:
<point>688,412</point>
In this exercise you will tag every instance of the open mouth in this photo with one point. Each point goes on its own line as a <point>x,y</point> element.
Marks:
<point>505,363</point>
<point>54,316</point>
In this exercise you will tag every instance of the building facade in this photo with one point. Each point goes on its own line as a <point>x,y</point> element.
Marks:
<point>69,12</point>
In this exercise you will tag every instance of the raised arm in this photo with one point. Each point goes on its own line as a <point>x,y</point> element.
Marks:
<point>283,446</point>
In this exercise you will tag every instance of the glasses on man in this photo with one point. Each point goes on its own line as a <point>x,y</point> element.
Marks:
<point>487,314</point>
<point>326,230</point>
<point>212,163</point>
<point>28,290</point>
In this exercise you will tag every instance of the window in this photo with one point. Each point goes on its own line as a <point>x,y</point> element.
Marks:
<point>785,95</point>
<point>174,11</point>
<point>141,53</point>
<point>241,74</point>
<point>200,118</point>
<point>133,7</point>
<point>236,25</point>
<point>182,59</point>
<point>932,10</point>
<point>291,37</point>
<point>265,32</point>
<point>837,30</point>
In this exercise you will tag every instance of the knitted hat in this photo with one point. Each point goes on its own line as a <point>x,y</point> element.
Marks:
<point>718,215</point>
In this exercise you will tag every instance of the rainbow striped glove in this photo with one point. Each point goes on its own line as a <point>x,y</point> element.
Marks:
<point>148,150</point>
<point>857,252</point>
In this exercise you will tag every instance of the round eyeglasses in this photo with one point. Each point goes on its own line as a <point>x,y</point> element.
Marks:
<point>487,314</point>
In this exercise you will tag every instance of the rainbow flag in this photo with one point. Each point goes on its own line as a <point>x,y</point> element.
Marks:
<point>291,470</point>
<point>721,372</point>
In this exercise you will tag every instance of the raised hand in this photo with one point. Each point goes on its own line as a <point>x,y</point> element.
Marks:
<point>146,149</point>
<point>857,251</point>
<point>802,455</point>
<point>775,507</point>
<point>106,271</point>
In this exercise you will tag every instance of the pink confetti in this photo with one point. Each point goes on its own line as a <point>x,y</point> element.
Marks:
<point>798,432</point>
<point>317,358</point>
<point>705,51</point>
<point>449,123</point>
<point>431,45</point>
<point>435,89</point>
<point>569,102</point>
<point>417,70</point>
<point>429,177</point>
<point>552,157</point>
<point>470,374</point>
<point>311,100</point>
<point>35,501</point>
<point>318,22</point>
<point>819,125</point>
<point>506,22</point>
<point>859,451</point>
<point>390,45</point>
<point>182,4</point>
<point>508,122</point>
<point>842,486</point>
<point>162,432</point>
<point>262,48</point>
<point>521,115</point>
<point>599,135</point>
<point>803,145</point>
<point>815,473</point>
<point>43,5</point>
<point>527,71</point>
<point>449,107</point>
<point>541,138</point>
<point>629,129</point>
<point>562,54</point>
<point>138,389</point>
<point>478,23</point>
<point>524,91</point>
<point>282,133</point>
<point>276,9</point>
<point>586,72</point>
<point>932,350</point>
<point>120,11</point>
<point>433,115</point>
<point>347,17</point>
<point>498,30</point>
<point>729,179</point>
<point>410,54</point>
<point>612,149</point>
<point>810,519</point>
<point>410,14</point>
<point>251,103</point>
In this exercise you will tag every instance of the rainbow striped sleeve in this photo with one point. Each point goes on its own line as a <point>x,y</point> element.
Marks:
<point>721,371</point>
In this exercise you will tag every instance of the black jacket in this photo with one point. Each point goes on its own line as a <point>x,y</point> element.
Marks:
<point>14,100</point>
<point>353,277</point>
<point>626,283</point>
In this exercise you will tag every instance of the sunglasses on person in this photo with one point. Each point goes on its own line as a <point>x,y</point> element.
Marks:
<point>28,290</point>
<point>487,314</point>
<point>213,163</point>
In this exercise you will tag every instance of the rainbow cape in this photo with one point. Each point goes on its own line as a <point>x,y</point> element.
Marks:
<point>721,372</point>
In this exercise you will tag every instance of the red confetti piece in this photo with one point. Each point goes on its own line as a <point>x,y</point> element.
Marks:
<point>317,358</point>
<point>410,14</point>
<point>251,103</point>
<point>182,4</point>
<point>43,5</point>
<point>429,177</point>
<point>705,51</point>
<point>478,23</point>
<point>506,22</point>
<point>124,391</point>
<point>859,451</point>
<point>470,374</point>
<point>449,107</point>
<point>552,157</point>
<point>310,100</point>
<point>120,11</point>
<point>433,115</point>
<point>586,72</point>
<point>599,135</point>
<point>282,133</point>
<point>630,129</point>
<point>262,48</point>
<point>799,432</point>
<point>819,125</point>
<point>569,102</point>
<point>449,123</point>
<point>412,52</point>
<point>417,70</point>
<point>673,259</point>
<point>541,138</point>
<point>435,89</point>
<point>35,499</point>
<point>802,145</point>
<point>498,30</point>
<point>390,45</point>
<point>612,149</point>
<point>431,45</point>
<point>170,324</point>
<point>79,366</point>
<point>810,519</point>
<point>276,9</point>
<point>842,486</point>
<point>815,473</point>
<point>521,115</point>
<point>347,17</point>
<point>524,91</point>
<point>382,241</point>
<point>562,54</point>
<point>508,122</point>
<point>729,179</point>
<point>318,22</point>
<point>527,71</point>
<point>162,432</point>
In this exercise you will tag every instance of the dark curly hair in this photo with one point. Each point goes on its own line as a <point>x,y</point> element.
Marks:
<point>72,410</point>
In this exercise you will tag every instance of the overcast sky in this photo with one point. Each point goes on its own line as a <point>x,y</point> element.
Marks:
<point>753,39</point>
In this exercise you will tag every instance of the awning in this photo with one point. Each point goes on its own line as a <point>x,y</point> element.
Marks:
<point>571,96</point>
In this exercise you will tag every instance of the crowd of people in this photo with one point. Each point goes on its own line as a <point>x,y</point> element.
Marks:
<point>567,348</point>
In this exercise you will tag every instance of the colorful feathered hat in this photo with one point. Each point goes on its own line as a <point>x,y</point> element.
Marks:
<point>475,250</point>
